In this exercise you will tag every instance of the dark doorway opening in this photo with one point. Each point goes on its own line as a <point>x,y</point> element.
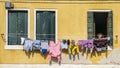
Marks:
<point>100,23</point>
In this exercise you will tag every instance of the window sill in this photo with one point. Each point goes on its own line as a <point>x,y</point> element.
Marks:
<point>14,47</point>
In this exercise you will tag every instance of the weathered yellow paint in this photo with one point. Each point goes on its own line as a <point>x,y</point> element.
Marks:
<point>72,24</point>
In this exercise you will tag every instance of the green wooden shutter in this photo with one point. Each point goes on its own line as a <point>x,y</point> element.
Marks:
<point>39,24</point>
<point>53,25</point>
<point>12,26</point>
<point>90,25</point>
<point>17,26</point>
<point>22,25</point>
<point>45,25</point>
<point>110,27</point>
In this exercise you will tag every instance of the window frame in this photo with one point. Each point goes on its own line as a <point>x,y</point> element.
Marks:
<point>16,47</point>
<point>56,21</point>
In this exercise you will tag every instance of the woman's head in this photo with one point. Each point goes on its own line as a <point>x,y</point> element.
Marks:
<point>99,35</point>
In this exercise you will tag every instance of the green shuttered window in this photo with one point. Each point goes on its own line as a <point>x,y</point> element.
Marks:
<point>17,26</point>
<point>45,25</point>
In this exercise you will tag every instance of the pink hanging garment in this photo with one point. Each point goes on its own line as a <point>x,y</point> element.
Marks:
<point>54,50</point>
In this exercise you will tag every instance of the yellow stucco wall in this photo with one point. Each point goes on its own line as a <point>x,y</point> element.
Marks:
<point>72,20</point>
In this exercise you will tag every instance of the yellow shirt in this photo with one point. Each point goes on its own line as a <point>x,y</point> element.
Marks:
<point>74,49</point>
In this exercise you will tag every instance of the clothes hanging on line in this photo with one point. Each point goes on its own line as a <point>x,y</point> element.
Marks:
<point>100,44</point>
<point>86,44</point>
<point>28,47</point>
<point>31,45</point>
<point>64,44</point>
<point>36,44</point>
<point>44,46</point>
<point>73,49</point>
<point>55,51</point>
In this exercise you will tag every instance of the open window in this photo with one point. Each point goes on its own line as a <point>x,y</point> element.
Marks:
<point>100,21</point>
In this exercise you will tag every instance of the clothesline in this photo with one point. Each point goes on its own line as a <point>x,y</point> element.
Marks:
<point>61,36</point>
<point>48,34</point>
<point>59,39</point>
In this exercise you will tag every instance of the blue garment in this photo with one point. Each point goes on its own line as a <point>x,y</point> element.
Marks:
<point>36,44</point>
<point>44,51</point>
<point>28,45</point>
<point>64,45</point>
<point>44,44</point>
